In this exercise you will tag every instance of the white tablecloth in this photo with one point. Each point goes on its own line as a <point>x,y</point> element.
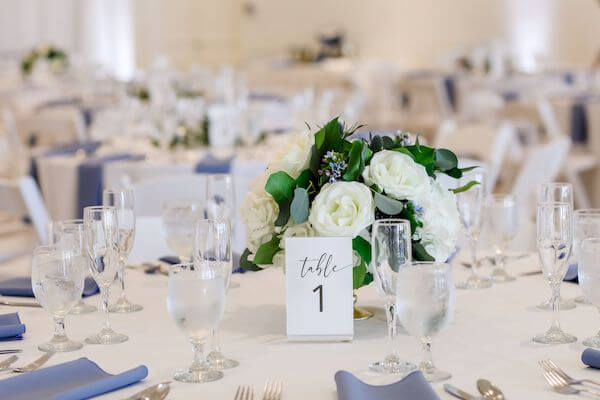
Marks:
<point>490,337</point>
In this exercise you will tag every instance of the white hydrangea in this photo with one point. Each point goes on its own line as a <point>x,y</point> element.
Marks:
<point>259,212</point>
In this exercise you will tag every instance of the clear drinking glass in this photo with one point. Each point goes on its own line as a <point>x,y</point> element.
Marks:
<point>213,245</point>
<point>425,305</point>
<point>391,251</point>
<point>561,192</point>
<point>179,219</point>
<point>589,278</point>
<point>101,233</point>
<point>470,205</point>
<point>57,276</point>
<point>586,224</point>
<point>501,213</point>
<point>69,234</point>
<point>554,241</point>
<point>196,302</point>
<point>123,201</point>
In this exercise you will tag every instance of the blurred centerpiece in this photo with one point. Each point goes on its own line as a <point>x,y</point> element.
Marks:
<point>56,59</point>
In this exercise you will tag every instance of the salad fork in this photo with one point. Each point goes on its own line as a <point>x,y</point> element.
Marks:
<point>549,365</point>
<point>272,390</point>
<point>244,393</point>
<point>560,385</point>
<point>34,365</point>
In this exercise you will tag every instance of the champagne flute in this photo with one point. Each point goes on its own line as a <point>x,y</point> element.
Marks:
<point>589,278</point>
<point>195,302</point>
<point>554,241</point>
<point>586,224</point>
<point>391,251</point>
<point>561,192</point>
<point>57,276</point>
<point>65,234</point>
<point>123,201</point>
<point>179,219</point>
<point>213,245</point>
<point>501,210</point>
<point>101,232</point>
<point>425,305</point>
<point>470,205</point>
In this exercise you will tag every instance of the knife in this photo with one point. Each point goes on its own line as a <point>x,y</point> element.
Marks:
<point>5,302</point>
<point>461,394</point>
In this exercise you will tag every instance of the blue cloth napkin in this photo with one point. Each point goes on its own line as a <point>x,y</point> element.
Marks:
<point>11,326</point>
<point>89,179</point>
<point>413,386</point>
<point>212,165</point>
<point>73,380</point>
<point>88,147</point>
<point>591,358</point>
<point>450,88</point>
<point>571,275</point>
<point>21,287</point>
<point>579,122</point>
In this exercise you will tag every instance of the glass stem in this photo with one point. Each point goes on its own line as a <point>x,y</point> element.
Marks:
<point>59,328</point>
<point>390,312</point>
<point>105,295</point>
<point>427,362</point>
<point>215,341</point>
<point>199,357</point>
<point>121,273</point>
<point>555,306</point>
<point>474,265</point>
<point>499,259</point>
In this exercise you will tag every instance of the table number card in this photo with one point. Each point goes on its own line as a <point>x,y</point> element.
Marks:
<point>319,288</point>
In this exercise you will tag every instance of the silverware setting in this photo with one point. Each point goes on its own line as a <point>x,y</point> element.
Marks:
<point>244,393</point>
<point>18,303</point>
<point>156,392</point>
<point>273,390</point>
<point>560,385</point>
<point>489,391</point>
<point>34,365</point>
<point>10,351</point>
<point>459,393</point>
<point>551,366</point>
<point>4,365</point>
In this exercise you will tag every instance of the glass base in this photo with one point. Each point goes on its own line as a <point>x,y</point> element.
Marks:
<point>564,304</point>
<point>197,376</point>
<point>218,361</point>
<point>233,284</point>
<point>475,282</point>
<point>124,306</point>
<point>392,365</point>
<point>582,300</point>
<point>82,308</point>
<point>432,374</point>
<point>594,341</point>
<point>107,336</point>
<point>554,336</point>
<point>60,344</point>
<point>500,276</point>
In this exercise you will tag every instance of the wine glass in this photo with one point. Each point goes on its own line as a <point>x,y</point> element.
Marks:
<point>589,277</point>
<point>213,245</point>
<point>425,305</point>
<point>68,234</point>
<point>57,276</point>
<point>179,219</point>
<point>501,213</point>
<point>586,224</point>
<point>561,192</point>
<point>554,241</point>
<point>470,204</point>
<point>123,201</point>
<point>101,233</point>
<point>391,251</point>
<point>196,302</point>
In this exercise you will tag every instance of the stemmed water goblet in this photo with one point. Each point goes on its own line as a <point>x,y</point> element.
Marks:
<point>57,276</point>
<point>554,241</point>
<point>101,233</point>
<point>589,278</point>
<point>425,305</point>
<point>69,234</point>
<point>501,215</point>
<point>470,205</point>
<point>179,219</point>
<point>123,201</point>
<point>391,251</point>
<point>586,224</point>
<point>213,245</point>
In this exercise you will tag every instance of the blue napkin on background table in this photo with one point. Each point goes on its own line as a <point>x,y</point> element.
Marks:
<point>74,380</point>
<point>591,358</point>
<point>212,165</point>
<point>21,287</point>
<point>11,327</point>
<point>413,386</point>
<point>579,122</point>
<point>571,275</point>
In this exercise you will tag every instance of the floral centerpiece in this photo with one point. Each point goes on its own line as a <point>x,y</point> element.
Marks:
<point>56,58</point>
<point>329,184</point>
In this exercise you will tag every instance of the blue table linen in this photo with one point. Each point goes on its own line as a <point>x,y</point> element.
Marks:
<point>591,358</point>
<point>11,327</point>
<point>21,287</point>
<point>211,165</point>
<point>412,387</point>
<point>571,275</point>
<point>73,380</point>
<point>579,122</point>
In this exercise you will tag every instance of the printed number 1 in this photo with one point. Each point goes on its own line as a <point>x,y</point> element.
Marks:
<point>320,289</point>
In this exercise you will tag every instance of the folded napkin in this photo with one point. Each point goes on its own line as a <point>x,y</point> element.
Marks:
<point>73,380</point>
<point>21,287</point>
<point>11,327</point>
<point>175,260</point>
<point>591,358</point>
<point>579,123</point>
<point>212,165</point>
<point>414,386</point>
<point>571,275</point>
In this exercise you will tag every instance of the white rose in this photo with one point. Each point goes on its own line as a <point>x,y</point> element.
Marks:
<point>294,157</point>
<point>302,230</point>
<point>397,174</point>
<point>259,212</point>
<point>441,223</point>
<point>342,209</point>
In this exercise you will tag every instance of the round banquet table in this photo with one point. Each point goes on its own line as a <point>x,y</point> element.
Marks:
<point>490,337</point>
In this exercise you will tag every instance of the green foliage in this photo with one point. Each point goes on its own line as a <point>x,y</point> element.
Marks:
<point>266,251</point>
<point>363,248</point>
<point>356,162</point>
<point>358,274</point>
<point>419,253</point>
<point>281,186</point>
<point>246,264</point>
<point>329,137</point>
<point>445,159</point>
<point>466,187</point>
<point>299,206</point>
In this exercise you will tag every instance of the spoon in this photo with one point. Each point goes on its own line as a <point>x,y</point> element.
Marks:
<point>489,391</point>
<point>156,392</point>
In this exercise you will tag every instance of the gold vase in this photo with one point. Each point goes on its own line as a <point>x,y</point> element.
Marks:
<point>360,313</point>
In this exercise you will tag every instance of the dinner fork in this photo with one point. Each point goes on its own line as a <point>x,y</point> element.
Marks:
<point>272,390</point>
<point>8,362</point>
<point>560,385</point>
<point>549,365</point>
<point>244,393</point>
<point>34,365</point>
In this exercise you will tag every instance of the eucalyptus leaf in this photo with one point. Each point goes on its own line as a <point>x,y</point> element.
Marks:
<point>445,159</point>
<point>466,187</point>
<point>299,206</point>
<point>388,205</point>
<point>266,251</point>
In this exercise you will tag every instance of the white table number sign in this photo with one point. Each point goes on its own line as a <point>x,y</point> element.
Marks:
<point>319,288</point>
